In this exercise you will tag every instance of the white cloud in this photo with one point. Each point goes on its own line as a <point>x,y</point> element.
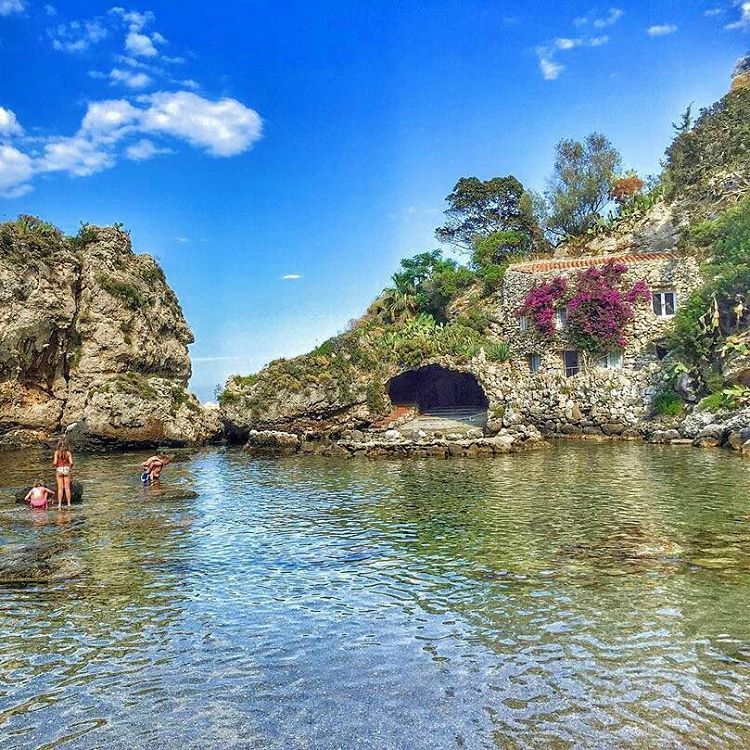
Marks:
<point>183,240</point>
<point>79,156</point>
<point>9,123</point>
<point>614,15</point>
<point>129,78</point>
<point>547,54</point>
<point>601,22</point>
<point>223,128</point>
<point>50,10</point>
<point>743,22</point>
<point>291,277</point>
<point>16,168</point>
<point>564,43</point>
<point>9,7</point>
<point>110,119</point>
<point>712,12</point>
<point>143,150</point>
<point>139,44</point>
<point>550,69</point>
<point>77,36</point>
<point>663,29</point>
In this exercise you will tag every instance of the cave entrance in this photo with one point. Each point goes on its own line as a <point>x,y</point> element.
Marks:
<point>439,392</point>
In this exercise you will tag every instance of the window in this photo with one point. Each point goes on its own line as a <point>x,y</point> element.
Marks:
<point>664,303</point>
<point>571,363</point>
<point>523,323</point>
<point>611,361</point>
<point>535,362</point>
<point>561,318</point>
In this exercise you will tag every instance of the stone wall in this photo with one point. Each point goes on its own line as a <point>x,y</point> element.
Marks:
<point>662,272</point>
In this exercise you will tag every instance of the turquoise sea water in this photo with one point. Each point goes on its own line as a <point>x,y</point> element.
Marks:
<point>587,596</point>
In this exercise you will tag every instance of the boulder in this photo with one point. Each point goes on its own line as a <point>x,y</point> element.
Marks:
<point>272,442</point>
<point>76,492</point>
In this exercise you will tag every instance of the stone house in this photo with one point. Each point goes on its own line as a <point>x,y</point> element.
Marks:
<point>670,279</point>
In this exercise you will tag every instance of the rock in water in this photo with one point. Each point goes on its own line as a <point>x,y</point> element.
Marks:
<point>76,492</point>
<point>96,337</point>
<point>30,563</point>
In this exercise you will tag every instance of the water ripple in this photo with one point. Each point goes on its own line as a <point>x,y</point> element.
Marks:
<point>585,597</point>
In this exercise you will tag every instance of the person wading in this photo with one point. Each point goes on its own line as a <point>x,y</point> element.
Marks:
<point>63,463</point>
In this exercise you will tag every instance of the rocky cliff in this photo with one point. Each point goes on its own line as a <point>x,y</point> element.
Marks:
<point>93,339</point>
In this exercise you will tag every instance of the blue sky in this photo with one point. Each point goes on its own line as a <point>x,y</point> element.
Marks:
<point>245,142</point>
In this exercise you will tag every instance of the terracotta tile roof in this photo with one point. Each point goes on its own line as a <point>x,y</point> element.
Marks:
<point>560,264</point>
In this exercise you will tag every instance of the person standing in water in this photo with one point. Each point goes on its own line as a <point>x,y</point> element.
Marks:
<point>63,463</point>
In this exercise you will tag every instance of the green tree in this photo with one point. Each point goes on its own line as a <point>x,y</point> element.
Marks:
<point>431,281</point>
<point>478,209</point>
<point>581,184</point>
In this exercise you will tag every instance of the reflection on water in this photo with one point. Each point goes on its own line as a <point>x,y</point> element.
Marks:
<point>583,597</point>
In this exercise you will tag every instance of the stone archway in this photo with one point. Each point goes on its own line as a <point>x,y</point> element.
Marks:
<point>433,389</point>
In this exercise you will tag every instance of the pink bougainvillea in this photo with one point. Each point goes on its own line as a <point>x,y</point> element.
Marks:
<point>539,305</point>
<point>598,309</point>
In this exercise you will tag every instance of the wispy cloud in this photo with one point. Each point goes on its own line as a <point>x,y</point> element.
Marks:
<point>713,12</point>
<point>77,36</point>
<point>663,29</point>
<point>550,67</point>
<point>143,150</point>
<point>599,21</point>
<point>291,277</point>
<point>743,22</point>
<point>11,7</point>
<point>129,78</point>
<point>183,240</point>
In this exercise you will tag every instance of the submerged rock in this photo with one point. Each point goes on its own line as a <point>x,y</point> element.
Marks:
<point>30,563</point>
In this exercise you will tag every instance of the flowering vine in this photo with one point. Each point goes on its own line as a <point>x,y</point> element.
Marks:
<point>598,308</point>
<point>539,305</point>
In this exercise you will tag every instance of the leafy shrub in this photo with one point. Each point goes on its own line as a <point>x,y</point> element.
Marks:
<point>727,237</point>
<point>85,234</point>
<point>127,292</point>
<point>718,144</point>
<point>668,404</point>
<point>714,402</point>
<point>476,318</point>
<point>498,352</point>
<point>718,309</point>
<point>374,397</point>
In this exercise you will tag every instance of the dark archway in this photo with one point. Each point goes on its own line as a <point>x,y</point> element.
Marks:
<point>433,388</point>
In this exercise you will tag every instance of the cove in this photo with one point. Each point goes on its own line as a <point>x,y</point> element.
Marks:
<point>584,596</point>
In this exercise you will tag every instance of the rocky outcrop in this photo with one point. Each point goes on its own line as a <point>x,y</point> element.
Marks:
<point>392,444</point>
<point>92,338</point>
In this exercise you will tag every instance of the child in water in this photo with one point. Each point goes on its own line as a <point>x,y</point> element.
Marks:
<point>39,496</point>
<point>153,467</point>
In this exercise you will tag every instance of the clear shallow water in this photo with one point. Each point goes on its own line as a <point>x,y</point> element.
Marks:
<point>589,596</point>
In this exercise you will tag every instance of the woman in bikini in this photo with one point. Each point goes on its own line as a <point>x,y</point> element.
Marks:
<point>63,463</point>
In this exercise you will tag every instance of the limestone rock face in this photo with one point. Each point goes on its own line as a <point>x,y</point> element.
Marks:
<point>92,335</point>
